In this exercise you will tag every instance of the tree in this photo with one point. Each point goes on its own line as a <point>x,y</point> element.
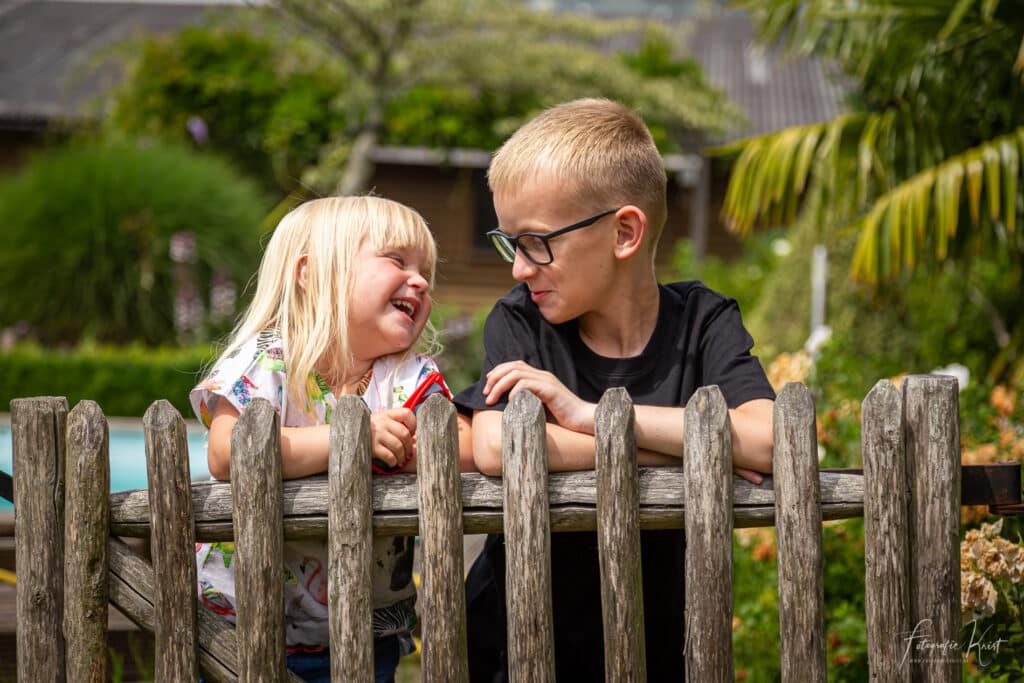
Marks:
<point>925,168</point>
<point>496,49</point>
<point>238,88</point>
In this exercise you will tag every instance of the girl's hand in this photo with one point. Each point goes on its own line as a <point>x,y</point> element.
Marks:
<point>750,475</point>
<point>568,409</point>
<point>391,435</point>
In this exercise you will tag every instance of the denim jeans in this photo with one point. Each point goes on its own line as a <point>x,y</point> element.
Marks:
<point>315,667</point>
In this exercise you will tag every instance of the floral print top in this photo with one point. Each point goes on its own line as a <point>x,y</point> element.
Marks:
<point>258,369</point>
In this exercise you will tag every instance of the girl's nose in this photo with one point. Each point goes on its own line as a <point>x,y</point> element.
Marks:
<point>417,281</point>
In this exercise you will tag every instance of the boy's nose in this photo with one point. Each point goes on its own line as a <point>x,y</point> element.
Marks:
<point>522,267</point>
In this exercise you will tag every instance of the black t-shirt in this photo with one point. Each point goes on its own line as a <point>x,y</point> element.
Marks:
<point>699,340</point>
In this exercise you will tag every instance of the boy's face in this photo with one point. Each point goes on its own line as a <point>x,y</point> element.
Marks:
<point>577,280</point>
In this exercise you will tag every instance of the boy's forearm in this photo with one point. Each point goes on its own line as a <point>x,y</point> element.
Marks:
<point>752,445</point>
<point>660,429</point>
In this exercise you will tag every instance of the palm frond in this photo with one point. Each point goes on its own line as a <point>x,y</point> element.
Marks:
<point>897,227</point>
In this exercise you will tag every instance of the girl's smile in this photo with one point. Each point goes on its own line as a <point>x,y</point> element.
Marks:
<point>390,301</point>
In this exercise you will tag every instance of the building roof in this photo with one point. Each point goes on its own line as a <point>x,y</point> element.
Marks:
<point>774,90</point>
<point>48,48</point>
<point>47,51</point>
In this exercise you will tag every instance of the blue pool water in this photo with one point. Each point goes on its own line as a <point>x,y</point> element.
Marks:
<point>127,459</point>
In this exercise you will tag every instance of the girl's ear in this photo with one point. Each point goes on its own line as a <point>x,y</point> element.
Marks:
<point>300,272</point>
<point>630,231</point>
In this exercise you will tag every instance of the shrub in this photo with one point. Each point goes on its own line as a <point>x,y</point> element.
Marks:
<point>87,232</point>
<point>124,380</point>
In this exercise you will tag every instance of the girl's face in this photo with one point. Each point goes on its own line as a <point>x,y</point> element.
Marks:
<point>390,301</point>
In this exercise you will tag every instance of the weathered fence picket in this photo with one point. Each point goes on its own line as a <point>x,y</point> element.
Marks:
<point>886,547</point>
<point>618,536</point>
<point>524,453</point>
<point>798,537</point>
<point>86,529</point>
<point>350,542</point>
<point>172,543</point>
<point>707,458</point>
<point>443,602</point>
<point>259,543</point>
<point>932,422</point>
<point>38,429</point>
<point>909,495</point>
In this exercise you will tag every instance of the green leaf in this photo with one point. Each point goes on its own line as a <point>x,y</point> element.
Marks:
<point>990,157</point>
<point>988,10</point>
<point>1018,64</point>
<point>974,169</point>
<point>804,156</point>
<point>955,17</point>
<point>1011,159</point>
<point>866,157</point>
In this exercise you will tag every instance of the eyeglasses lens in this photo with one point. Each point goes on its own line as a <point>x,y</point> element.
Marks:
<point>504,247</point>
<point>534,248</point>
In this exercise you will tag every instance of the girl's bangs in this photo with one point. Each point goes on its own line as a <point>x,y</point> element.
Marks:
<point>405,229</point>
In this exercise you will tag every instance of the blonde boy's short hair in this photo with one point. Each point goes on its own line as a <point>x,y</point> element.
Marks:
<point>599,148</point>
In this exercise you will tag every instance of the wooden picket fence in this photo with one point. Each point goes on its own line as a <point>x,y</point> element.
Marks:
<point>71,561</point>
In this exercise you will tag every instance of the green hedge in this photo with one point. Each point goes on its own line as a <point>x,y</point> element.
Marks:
<point>123,380</point>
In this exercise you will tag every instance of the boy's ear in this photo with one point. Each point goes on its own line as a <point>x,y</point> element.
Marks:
<point>630,231</point>
<point>300,272</point>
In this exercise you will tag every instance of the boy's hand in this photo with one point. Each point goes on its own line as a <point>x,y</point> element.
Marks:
<point>391,434</point>
<point>568,409</point>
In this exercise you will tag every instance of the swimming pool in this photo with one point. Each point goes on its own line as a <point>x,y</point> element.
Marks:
<point>127,457</point>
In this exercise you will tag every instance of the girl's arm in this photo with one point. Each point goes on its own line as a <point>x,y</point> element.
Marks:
<point>304,449</point>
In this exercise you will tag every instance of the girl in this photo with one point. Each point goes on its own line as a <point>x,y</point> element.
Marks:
<point>342,295</point>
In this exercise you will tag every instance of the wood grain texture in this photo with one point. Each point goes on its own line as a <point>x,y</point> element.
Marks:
<point>708,462</point>
<point>37,434</point>
<point>396,503</point>
<point>531,644</point>
<point>350,542</point>
<point>618,536</point>
<point>172,542</point>
<point>798,531</point>
<point>442,595</point>
<point>886,544</point>
<point>563,518</point>
<point>931,414</point>
<point>87,512</point>
<point>259,543</point>
<point>131,591</point>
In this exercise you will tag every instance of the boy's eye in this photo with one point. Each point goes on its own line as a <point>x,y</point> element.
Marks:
<point>397,258</point>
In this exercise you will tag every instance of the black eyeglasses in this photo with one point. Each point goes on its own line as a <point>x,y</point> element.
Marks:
<point>534,245</point>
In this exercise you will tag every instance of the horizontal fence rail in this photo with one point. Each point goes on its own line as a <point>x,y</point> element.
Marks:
<point>573,501</point>
<point>909,493</point>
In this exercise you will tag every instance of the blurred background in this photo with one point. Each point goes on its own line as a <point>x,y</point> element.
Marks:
<point>848,171</point>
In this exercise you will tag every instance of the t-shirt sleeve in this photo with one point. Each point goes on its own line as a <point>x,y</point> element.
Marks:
<point>239,379</point>
<point>417,378</point>
<point>726,359</point>
<point>507,337</point>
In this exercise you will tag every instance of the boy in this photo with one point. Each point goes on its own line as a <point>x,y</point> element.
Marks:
<point>587,315</point>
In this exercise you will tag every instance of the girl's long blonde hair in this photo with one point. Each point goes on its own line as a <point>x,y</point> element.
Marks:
<point>312,321</point>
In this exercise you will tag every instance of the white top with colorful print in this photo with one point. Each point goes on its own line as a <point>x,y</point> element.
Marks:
<point>257,369</point>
